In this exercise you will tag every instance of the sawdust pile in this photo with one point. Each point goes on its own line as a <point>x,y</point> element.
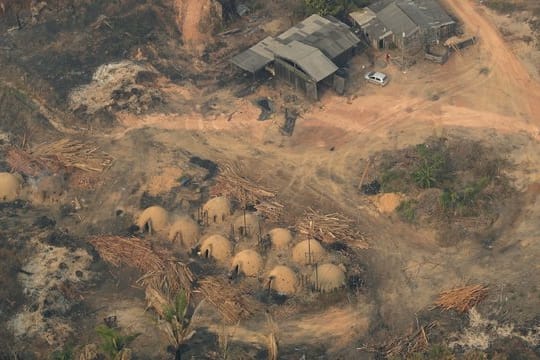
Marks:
<point>388,202</point>
<point>124,85</point>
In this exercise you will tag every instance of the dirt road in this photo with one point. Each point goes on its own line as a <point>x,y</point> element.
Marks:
<point>517,79</point>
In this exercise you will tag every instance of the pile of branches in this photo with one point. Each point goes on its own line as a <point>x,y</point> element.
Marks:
<point>23,162</point>
<point>270,210</point>
<point>462,299</point>
<point>405,346</point>
<point>233,185</point>
<point>329,228</point>
<point>232,302</point>
<point>172,278</point>
<point>165,279</point>
<point>74,154</point>
<point>129,251</point>
<point>62,154</point>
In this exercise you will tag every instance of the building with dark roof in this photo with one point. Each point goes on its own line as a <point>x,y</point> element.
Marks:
<point>306,55</point>
<point>410,25</point>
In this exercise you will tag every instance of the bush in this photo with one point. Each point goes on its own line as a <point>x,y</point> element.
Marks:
<point>112,342</point>
<point>407,210</point>
<point>433,167</point>
<point>333,7</point>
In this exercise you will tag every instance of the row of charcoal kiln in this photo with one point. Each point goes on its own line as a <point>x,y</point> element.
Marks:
<point>233,241</point>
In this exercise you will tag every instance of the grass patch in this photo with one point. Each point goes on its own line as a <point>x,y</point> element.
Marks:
<point>407,210</point>
<point>447,182</point>
<point>504,6</point>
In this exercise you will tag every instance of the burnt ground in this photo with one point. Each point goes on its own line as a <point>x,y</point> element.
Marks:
<point>395,282</point>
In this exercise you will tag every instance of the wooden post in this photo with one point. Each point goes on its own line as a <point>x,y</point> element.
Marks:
<point>364,174</point>
<point>244,232</point>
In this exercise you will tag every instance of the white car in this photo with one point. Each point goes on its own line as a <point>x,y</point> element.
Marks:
<point>377,78</point>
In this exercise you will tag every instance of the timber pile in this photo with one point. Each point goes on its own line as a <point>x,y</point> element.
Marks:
<point>232,302</point>
<point>329,228</point>
<point>404,347</point>
<point>74,154</point>
<point>164,279</point>
<point>231,184</point>
<point>23,162</point>
<point>172,278</point>
<point>129,251</point>
<point>462,299</point>
<point>62,154</point>
<point>270,210</point>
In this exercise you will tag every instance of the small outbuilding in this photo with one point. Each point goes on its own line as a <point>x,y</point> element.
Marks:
<point>308,252</point>
<point>216,247</point>
<point>328,277</point>
<point>216,210</point>
<point>10,186</point>
<point>283,280</point>
<point>280,238</point>
<point>246,225</point>
<point>184,232</point>
<point>410,25</point>
<point>153,218</point>
<point>247,262</point>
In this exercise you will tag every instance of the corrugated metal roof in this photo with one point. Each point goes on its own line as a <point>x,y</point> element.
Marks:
<point>258,56</point>
<point>397,20</point>
<point>379,5</point>
<point>376,29</point>
<point>362,17</point>
<point>310,59</point>
<point>310,44</point>
<point>425,13</point>
<point>333,38</point>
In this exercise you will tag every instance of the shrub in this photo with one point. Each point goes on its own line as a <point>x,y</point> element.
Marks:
<point>112,342</point>
<point>407,210</point>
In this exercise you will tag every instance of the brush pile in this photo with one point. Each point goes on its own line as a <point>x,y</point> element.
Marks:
<point>270,210</point>
<point>231,302</point>
<point>163,280</point>
<point>62,154</point>
<point>74,154</point>
<point>129,251</point>
<point>171,278</point>
<point>329,228</point>
<point>231,184</point>
<point>462,299</point>
<point>23,162</point>
<point>404,347</point>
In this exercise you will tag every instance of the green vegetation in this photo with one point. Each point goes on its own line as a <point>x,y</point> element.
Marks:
<point>504,6</point>
<point>178,309</point>
<point>407,210</point>
<point>446,181</point>
<point>333,7</point>
<point>112,342</point>
<point>462,201</point>
<point>66,353</point>
<point>179,323</point>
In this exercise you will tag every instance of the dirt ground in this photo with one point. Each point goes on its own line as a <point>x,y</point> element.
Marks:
<point>488,93</point>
